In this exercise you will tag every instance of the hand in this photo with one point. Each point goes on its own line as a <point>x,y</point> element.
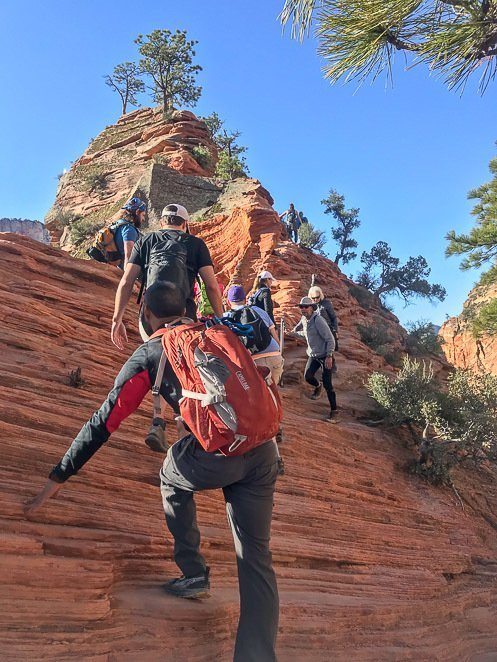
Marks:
<point>328,363</point>
<point>118,335</point>
<point>50,490</point>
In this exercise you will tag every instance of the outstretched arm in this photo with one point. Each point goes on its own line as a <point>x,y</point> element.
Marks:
<point>131,385</point>
<point>124,289</point>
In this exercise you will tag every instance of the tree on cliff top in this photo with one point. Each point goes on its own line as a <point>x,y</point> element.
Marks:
<point>126,82</point>
<point>383,274</point>
<point>231,162</point>
<point>359,38</point>
<point>167,58</point>
<point>347,221</point>
<point>480,245</point>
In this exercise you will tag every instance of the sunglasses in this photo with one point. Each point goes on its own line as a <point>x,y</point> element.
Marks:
<point>316,298</point>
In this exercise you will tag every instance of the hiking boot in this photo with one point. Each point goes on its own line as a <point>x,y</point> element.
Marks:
<point>332,417</point>
<point>317,392</point>
<point>190,587</point>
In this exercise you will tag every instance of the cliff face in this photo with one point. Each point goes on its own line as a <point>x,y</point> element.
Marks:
<point>33,229</point>
<point>461,348</point>
<point>372,564</point>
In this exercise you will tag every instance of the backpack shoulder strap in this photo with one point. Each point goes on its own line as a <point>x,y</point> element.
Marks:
<point>157,384</point>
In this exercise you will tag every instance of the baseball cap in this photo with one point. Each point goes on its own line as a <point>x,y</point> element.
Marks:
<point>176,210</point>
<point>267,275</point>
<point>236,293</point>
<point>135,204</point>
<point>306,301</point>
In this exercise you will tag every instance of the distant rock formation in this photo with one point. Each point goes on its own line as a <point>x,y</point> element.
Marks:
<point>34,229</point>
<point>462,349</point>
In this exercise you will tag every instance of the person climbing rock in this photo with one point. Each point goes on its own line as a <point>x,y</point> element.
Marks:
<point>292,222</point>
<point>303,219</point>
<point>268,352</point>
<point>326,310</point>
<point>171,254</point>
<point>262,295</point>
<point>114,243</point>
<point>320,347</point>
<point>247,480</point>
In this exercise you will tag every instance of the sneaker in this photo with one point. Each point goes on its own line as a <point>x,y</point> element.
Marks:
<point>317,392</point>
<point>190,587</point>
<point>331,418</point>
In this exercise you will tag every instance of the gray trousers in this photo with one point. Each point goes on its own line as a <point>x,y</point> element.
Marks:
<point>248,484</point>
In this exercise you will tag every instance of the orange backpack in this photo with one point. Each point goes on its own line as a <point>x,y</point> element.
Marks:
<point>229,404</point>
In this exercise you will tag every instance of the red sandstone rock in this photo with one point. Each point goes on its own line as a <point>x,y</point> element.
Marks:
<point>372,564</point>
<point>460,346</point>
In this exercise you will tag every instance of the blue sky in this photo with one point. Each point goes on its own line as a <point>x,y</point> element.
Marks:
<point>406,156</point>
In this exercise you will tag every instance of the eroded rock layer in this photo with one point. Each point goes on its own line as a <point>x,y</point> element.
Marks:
<point>462,348</point>
<point>372,564</point>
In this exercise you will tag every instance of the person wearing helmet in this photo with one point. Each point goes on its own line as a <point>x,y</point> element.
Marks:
<point>128,228</point>
<point>154,256</point>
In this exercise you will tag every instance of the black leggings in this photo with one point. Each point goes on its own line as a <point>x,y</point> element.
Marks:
<point>312,366</point>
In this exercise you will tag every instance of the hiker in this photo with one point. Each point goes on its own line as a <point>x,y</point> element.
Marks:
<point>114,243</point>
<point>247,480</point>
<point>326,310</point>
<point>292,222</point>
<point>262,296</point>
<point>320,347</point>
<point>173,254</point>
<point>303,219</point>
<point>266,348</point>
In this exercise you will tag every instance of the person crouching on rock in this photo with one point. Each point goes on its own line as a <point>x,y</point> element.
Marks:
<point>247,481</point>
<point>320,348</point>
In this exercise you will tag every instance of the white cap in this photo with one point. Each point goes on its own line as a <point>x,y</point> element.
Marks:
<point>176,210</point>
<point>267,275</point>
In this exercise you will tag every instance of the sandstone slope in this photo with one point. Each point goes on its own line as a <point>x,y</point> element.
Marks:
<point>462,349</point>
<point>372,564</point>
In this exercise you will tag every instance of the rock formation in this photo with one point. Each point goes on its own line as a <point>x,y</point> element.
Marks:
<point>33,229</point>
<point>372,563</point>
<point>461,348</point>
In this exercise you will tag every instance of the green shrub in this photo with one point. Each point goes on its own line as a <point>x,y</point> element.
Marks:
<point>363,296</point>
<point>202,156</point>
<point>311,238</point>
<point>375,336</point>
<point>454,423</point>
<point>83,229</point>
<point>96,181</point>
<point>62,219</point>
<point>423,338</point>
<point>230,167</point>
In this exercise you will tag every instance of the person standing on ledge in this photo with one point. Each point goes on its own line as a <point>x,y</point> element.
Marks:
<point>320,348</point>
<point>162,255</point>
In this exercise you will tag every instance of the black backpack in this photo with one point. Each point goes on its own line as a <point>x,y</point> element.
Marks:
<point>261,337</point>
<point>167,261</point>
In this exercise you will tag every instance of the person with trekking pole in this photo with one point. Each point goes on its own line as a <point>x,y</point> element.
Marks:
<point>230,415</point>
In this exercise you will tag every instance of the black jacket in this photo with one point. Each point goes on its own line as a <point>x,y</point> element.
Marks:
<point>262,299</point>
<point>133,382</point>
<point>326,310</point>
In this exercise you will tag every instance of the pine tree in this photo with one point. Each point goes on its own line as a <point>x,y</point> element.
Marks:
<point>347,221</point>
<point>231,162</point>
<point>383,274</point>
<point>126,82</point>
<point>359,38</point>
<point>167,59</point>
<point>480,245</point>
